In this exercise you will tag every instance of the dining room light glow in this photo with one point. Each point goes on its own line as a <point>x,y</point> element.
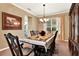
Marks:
<point>44,19</point>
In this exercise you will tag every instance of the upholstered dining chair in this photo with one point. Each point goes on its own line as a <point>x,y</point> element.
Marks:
<point>15,47</point>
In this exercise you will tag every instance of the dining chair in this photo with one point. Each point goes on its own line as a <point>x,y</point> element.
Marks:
<point>20,42</point>
<point>32,33</point>
<point>53,44</point>
<point>39,50</point>
<point>15,47</point>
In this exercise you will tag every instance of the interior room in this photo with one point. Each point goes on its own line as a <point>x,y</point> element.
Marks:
<point>37,29</point>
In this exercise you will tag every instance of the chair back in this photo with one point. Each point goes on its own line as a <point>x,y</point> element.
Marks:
<point>55,35</point>
<point>32,33</point>
<point>14,45</point>
<point>53,42</point>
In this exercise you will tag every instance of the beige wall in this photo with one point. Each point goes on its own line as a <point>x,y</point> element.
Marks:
<point>33,24</point>
<point>66,26</point>
<point>40,25</point>
<point>15,11</point>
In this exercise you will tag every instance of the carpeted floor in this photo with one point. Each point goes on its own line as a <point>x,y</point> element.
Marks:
<point>61,50</point>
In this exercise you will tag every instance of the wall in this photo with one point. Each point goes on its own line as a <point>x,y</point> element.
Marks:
<point>32,24</point>
<point>66,26</point>
<point>9,8</point>
<point>40,25</point>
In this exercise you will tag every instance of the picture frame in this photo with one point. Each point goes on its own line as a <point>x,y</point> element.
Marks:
<point>11,22</point>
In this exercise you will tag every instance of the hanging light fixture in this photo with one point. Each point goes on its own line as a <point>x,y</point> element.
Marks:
<point>44,19</point>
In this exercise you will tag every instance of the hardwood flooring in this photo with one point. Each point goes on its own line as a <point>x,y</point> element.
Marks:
<point>62,49</point>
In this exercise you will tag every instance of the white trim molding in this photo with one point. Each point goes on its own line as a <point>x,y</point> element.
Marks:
<point>66,40</point>
<point>4,49</point>
<point>23,9</point>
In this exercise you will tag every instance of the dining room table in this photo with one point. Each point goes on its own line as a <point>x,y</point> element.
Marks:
<point>39,40</point>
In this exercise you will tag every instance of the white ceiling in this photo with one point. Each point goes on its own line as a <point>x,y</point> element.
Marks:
<point>50,8</point>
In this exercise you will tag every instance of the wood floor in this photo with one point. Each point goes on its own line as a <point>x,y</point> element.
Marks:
<point>61,50</point>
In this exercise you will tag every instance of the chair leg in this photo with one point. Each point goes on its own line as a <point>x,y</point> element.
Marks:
<point>22,45</point>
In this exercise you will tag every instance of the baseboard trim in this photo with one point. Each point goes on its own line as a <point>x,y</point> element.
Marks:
<point>66,40</point>
<point>4,49</point>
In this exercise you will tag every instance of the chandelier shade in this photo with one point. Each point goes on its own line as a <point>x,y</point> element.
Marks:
<point>44,19</point>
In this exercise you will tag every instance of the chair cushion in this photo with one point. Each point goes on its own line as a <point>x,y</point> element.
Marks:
<point>26,45</point>
<point>26,50</point>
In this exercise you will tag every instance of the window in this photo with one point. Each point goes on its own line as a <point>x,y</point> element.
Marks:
<point>53,24</point>
<point>49,25</point>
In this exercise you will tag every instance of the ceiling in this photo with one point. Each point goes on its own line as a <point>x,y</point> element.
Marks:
<point>36,9</point>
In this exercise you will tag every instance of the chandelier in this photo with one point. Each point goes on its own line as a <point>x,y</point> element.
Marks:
<point>44,19</point>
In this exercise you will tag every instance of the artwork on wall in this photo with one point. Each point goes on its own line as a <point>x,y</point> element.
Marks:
<point>11,22</point>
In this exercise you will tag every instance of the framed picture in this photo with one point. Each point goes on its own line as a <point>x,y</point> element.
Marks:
<point>11,22</point>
